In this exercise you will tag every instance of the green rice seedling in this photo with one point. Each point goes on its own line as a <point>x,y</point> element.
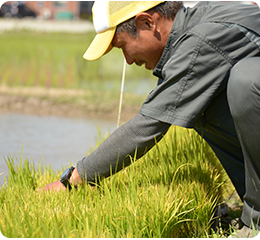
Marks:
<point>55,60</point>
<point>170,192</point>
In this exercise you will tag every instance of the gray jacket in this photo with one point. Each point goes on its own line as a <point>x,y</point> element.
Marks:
<point>204,44</point>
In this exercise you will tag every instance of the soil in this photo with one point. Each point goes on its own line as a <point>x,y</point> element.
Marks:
<point>41,101</point>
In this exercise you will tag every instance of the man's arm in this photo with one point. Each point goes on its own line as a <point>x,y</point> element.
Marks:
<point>133,139</point>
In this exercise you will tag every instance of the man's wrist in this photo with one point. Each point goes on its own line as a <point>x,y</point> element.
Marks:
<point>75,178</point>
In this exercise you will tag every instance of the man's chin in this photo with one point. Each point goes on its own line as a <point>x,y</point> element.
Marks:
<point>148,67</point>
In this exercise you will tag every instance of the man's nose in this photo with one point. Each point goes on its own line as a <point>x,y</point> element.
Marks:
<point>128,59</point>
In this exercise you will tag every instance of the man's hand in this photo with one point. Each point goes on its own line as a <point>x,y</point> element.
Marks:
<point>58,186</point>
<point>55,186</point>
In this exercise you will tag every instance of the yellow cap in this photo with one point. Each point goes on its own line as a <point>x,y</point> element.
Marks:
<point>106,16</point>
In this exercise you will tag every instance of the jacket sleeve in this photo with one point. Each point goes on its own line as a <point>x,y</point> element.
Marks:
<point>133,139</point>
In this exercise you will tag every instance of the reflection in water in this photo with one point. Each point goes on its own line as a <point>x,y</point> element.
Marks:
<point>56,140</point>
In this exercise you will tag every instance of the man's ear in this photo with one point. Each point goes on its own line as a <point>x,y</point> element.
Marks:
<point>144,21</point>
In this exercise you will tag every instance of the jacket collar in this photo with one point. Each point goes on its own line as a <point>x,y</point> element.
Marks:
<point>184,20</point>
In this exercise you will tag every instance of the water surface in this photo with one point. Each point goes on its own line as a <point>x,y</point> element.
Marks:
<point>56,140</point>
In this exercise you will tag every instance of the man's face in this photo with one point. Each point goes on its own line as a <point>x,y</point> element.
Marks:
<point>145,49</point>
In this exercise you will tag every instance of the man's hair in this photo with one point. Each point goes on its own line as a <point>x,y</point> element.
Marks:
<point>167,9</point>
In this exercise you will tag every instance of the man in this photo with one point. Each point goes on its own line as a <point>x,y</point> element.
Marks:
<point>207,60</point>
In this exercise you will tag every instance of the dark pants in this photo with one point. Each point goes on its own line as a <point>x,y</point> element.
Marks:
<point>231,126</point>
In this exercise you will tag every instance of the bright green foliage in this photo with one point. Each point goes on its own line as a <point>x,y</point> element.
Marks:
<point>170,192</point>
<point>55,60</point>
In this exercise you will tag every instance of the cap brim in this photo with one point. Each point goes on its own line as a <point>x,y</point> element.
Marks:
<point>100,45</point>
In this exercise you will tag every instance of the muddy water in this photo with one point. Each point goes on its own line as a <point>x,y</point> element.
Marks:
<point>56,140</point>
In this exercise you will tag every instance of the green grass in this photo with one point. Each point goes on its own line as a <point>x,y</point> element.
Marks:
<point>170,192</point>
<point>54,60</point>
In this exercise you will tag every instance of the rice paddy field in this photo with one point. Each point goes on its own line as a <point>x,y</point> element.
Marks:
<point>170,192</point>
<point>50,67</point>
<point>54,60</point>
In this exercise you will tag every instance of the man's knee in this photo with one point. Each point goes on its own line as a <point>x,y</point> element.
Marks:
<point>243,89</point>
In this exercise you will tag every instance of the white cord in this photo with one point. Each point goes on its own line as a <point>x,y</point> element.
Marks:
<point>121,94</point>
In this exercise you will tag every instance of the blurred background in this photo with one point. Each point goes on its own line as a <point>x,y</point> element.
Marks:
<point>54,105</point>
<point>58,10</point>
<point>65,10</point>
